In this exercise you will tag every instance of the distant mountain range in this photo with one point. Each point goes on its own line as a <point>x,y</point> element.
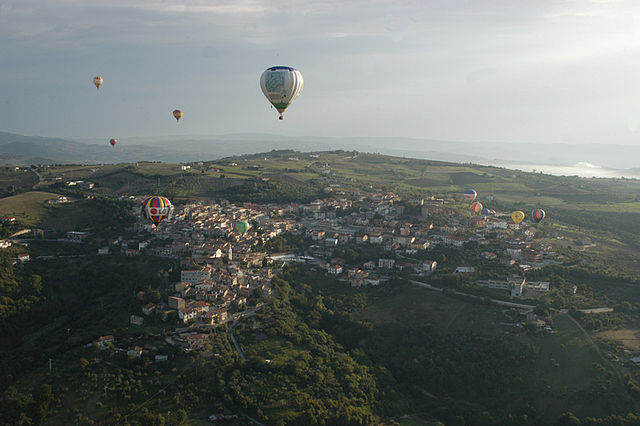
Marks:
<point>19,149</point>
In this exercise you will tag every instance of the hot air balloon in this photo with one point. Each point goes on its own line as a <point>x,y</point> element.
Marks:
<point>97,80</point>
<point>517,217</point>
<point>177,114</point>
<point>486,211</point>
<point>537,215</point>
<point>470,194</point>
<point>281,85</point>
<point>242,227</point>
<point>476,207</point>
<point>157,209</point>
<point>113,142</point>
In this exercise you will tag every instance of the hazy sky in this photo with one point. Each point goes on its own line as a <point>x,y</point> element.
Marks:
<point>504,70</point>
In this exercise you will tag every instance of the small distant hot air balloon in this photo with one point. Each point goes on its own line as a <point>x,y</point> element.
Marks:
<point>517,217</point>
<point>242,227</point>
<point>157,209</point>
<point>177,114</point>
<point>113,142</point>
<point>281,85</point>
<point>97,80</point>
<point>470,194</point>
<point>486,211</point>
<point>537,215</point>
<point>477,207</point>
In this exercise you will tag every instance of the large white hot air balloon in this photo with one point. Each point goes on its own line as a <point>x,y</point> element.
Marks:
<point>281,85</point>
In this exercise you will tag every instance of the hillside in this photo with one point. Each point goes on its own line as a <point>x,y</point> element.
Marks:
<point>26,150</point>
<point>301,344</point>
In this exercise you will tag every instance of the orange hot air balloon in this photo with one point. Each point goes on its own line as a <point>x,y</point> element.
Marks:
<point>97,80</point>
<point>113,142</point>
<point>477,207</point>
<point>177,114</point>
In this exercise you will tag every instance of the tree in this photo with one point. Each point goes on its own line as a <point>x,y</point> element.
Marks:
<point>41,402</point>
<point>569,418</point>
<point>84,363</point>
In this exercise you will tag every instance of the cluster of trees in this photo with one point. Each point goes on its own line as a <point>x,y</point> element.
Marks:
<point>18,408</point>
<point>312,379</point>
<point>19,291</point>
<point>287,242</point>
<point>273,191</point>
<point>7,229</point>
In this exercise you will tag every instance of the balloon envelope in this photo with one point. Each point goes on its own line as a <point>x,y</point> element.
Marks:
<point>97,80</point>
<point>537,215</point>
<point>477,207</point>
<point>517,216</point>
<point>470,194</point>
<point>242,227</point>
<point>281,85</point>
<point>177,114</point>
<point>157,209</point>
<point>486,211</point>
<point>113,142</point>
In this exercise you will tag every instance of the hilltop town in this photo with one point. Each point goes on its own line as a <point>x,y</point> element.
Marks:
<point>361,241</point>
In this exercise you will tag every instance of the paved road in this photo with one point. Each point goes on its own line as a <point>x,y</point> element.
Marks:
<point>235,342</point>
<point>21,232</point>
<point>473,296</point>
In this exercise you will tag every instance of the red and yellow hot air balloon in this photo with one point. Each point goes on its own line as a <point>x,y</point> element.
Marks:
<point>177,114</point>
<point>97,80</point>
<point>477,207</point>
<point>113,142</point>
<point>157,209</point>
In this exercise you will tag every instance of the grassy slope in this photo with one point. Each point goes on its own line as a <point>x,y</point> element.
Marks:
<point>27,207</point>
<point>567,364</point>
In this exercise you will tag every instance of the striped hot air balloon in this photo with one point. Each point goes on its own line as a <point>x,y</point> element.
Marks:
<point>97,80</point>
<point>113,142</point>
<point>470,194</point>
<point>177,114</point>
<point>477,207</point>
<point>281,85</point>
<point>157,209</point>
<point>537,215</point>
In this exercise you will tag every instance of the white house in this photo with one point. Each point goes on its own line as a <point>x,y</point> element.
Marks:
<point>195,276</point>
<point>187,314</point>
<point>429,265</point>
<point>386,263</point>
<point>335,269</point>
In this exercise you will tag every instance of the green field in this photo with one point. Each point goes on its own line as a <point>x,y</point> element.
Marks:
<point>572,376</point>
<point>413,304</point>
<point>28,207</point>
<point>568,373</point>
